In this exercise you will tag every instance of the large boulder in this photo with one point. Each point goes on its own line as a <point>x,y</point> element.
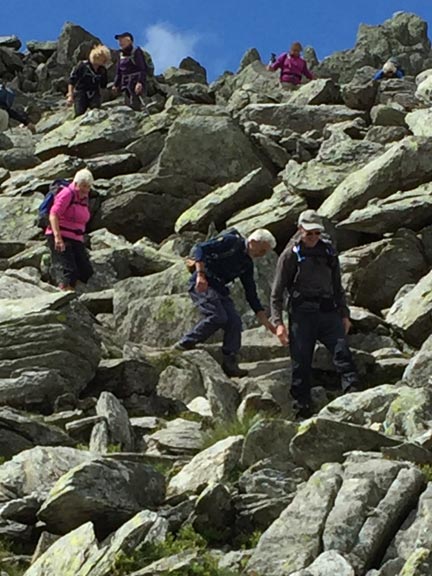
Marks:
<point>419,371</point>
<point>411,314</point>
<point>20,432</point>
<point>319,441</point>
<point>338,156</point>
<point>18,216</point>
<point>93,133</point>
<point>410,209</point>
<point>403,167</point>
<point>224,202</point>
<point>298,118</point>
<point>332,513</point>
<point>44,336</point>
<point>400,260</point>
<point>204,146</point>
<point>34,472</point>
<point>279,214</point>
<point>103,491</point>
<point>215,464</point>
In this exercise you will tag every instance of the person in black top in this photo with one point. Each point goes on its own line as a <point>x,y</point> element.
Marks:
<point>86,80</point>
<point>308,270</point>
<point>217,263</point>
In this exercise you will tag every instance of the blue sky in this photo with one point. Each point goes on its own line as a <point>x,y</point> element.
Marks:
<point>215,33</point>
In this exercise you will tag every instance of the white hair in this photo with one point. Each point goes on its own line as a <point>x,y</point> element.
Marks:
<point>83,176</point>
<point>263,235</point>
<point>389,67</point>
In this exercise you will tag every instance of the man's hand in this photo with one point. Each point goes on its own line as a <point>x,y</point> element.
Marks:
<point>262,317</point>
<point>138,88</point>
<point>282,334</point>
<point>115,89</point>
<point>346,324</point>
<point>69,99</point>
<point>201,283</point>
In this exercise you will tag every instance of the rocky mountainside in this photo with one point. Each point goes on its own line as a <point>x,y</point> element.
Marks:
<point>121,457</point>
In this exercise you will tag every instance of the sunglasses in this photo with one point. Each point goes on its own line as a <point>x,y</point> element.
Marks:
<point>313,233</point>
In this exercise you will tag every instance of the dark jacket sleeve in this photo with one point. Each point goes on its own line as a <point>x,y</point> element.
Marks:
<point>141,64</point>
<point>283,281</point>
<point>76,74</point>
<point>216,246</point>
<point>118,75</point>
<point>248,281</point>
<point>339,292</point>
<point>18,116</point>
<point>103,78</point>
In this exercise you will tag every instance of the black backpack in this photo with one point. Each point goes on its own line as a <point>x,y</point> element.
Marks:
<point>190,260</point>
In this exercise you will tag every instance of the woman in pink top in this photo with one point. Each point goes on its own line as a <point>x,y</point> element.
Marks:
<point>292,66</point>
<point>68,218</point>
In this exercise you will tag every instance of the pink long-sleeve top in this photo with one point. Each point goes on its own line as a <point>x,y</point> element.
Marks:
<point>72,211</point>
<point>292,68</point>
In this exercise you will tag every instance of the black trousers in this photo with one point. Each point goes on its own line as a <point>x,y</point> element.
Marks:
<point>82,101</point>
<point>132,100</point>
<point>73,264</point>
<point>307,324</point>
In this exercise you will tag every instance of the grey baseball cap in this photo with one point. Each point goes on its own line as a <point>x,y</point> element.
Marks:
<point>310,220</point>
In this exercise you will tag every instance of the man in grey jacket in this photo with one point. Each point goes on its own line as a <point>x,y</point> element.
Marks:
<point>309,271</point>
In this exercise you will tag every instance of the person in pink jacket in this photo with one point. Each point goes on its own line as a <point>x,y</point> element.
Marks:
<point>292,66</point>
<point>65,234</point>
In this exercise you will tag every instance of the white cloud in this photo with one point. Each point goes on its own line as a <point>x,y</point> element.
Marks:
<point>168,46</point>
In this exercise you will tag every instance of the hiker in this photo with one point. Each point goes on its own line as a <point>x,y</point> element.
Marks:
<point>7,98</point>
<point>308,270</point>
<point>391,69</point>
<point>217,263</point>
<point>292,67</point>
<point>131,71</point>
<point>87,79</point>
<point>65,234</point>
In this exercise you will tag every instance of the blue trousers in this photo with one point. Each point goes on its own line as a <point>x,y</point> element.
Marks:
<point>306,326</point>
<point>218,313</point>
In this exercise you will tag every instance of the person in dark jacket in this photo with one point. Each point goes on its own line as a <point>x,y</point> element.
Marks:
<point>308,270</point>
<point>131,71</point>
<point>7,97</point>
<point>217,263</point>
<point>86,80</point>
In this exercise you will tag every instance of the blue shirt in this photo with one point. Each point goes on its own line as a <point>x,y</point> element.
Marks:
<point>380,75</point>
<point>225,259</point>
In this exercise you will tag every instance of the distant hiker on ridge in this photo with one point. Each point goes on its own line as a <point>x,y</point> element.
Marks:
<point>292,67</point>
<point>131,71</point>
<point>391,69</point>
<point>86,80</point>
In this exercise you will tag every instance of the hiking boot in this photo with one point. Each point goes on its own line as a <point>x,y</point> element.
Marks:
<point>231,368</point>
<point>353,387</point>
<point>183,346</point>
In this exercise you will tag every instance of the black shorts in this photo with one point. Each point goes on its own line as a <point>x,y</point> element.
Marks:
<point>73,264</point>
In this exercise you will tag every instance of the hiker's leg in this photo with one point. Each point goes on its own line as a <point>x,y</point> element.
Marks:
<point>81,103</point>
<point>303,330</point>
<point>82,260</point>
<point>332,335</point>
<point>64,264</point>
<point>210,305</point>
<point>232,328</point>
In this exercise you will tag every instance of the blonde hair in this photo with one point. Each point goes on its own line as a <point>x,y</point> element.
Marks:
<point>100,51</point>
<point>390,67</point>
<point>83,176</point>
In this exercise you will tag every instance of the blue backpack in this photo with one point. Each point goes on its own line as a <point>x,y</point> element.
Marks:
<point>7,97</point>
<point>44,208</point>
